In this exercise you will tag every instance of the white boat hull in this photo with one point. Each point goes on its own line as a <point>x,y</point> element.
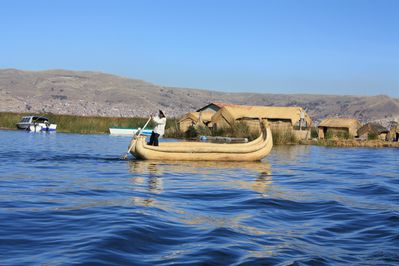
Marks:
<point>41,127</point>
<point>128,131</point>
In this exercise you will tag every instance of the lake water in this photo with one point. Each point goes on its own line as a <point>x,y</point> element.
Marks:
<point>68,199</point>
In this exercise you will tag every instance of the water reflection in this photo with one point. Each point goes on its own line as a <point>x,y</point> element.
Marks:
<point>256,176</point>
<point>148,173</point>
<point>158,167</point>
<point>261,184</point>
<point>180,178</point>
<point>291,153</point>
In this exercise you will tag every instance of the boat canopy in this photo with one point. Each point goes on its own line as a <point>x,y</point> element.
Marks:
<point>37,119</point>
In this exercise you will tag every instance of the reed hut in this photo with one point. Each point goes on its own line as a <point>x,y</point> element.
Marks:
<point>201,116</point>
<point>282,118</point>
<point>372,131</point>
<point>393,134</point>
<point>195,118</point>
<point>338,127</point>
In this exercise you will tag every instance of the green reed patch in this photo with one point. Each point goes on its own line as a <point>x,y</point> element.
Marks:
<point>79,124</point>
<point>283,136</point>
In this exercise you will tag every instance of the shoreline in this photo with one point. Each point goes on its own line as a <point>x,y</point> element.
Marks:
<point>351,143</point>
<point>326,143</point>
<point>101,125</point>
<point>58,131</point>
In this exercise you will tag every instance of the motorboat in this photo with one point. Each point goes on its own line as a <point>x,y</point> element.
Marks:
<point>36,124</point>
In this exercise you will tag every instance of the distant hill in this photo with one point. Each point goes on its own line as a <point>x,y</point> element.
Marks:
<point>94,93</point>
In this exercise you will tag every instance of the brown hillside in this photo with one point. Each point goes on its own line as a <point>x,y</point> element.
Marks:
<point>94,93</point>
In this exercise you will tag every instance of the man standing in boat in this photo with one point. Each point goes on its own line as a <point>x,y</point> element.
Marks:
<point>159,129</point>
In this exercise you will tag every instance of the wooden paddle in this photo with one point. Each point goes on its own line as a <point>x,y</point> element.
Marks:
<point>124,157</point>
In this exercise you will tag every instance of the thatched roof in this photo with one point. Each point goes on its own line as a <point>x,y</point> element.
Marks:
<point>218,105</point>
<point>373,128</point>
<point>340,123</point>
<point>232,113</point>
<point>195,116</point>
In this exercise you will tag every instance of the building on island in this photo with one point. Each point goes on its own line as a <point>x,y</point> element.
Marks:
<point>195,118</point>
<point>393,134</point>
<point>338,127</point>
<point>225,115</point>
<point>373,131</point>
<point>290,117</point>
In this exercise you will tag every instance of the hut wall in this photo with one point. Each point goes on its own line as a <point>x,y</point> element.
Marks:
<point>280,124</point>
<point>275,125</point>
<point>352,132</point>
<point>382,136</point>
<point>334,132</point>
<point>185,124</point>
<point>338,132</point>
<point>302,134</point>
<point>364,136</point>
<point>220,123</point>
<point>321,133</point>
<point>393,134</point>
<point>253,124</point>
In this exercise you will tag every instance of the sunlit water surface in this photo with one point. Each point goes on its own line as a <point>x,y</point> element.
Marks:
<point>68,199</point>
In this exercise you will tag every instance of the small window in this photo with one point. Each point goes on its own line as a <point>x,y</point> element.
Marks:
<point>41,120</point>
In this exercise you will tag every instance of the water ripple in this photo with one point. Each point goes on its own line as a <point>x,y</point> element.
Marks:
<point>69,199</point>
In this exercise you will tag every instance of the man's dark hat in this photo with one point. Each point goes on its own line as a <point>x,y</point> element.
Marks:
<point>162,113</point>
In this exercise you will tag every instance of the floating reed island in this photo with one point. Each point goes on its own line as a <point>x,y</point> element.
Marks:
<point>289,125</point>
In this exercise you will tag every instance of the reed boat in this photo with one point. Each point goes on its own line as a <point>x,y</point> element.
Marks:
<point>200,151</point>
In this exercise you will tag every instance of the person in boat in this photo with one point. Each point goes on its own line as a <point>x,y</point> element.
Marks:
<point>159,129</point>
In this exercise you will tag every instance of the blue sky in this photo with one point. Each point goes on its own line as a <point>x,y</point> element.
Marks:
<point>323,47</point>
